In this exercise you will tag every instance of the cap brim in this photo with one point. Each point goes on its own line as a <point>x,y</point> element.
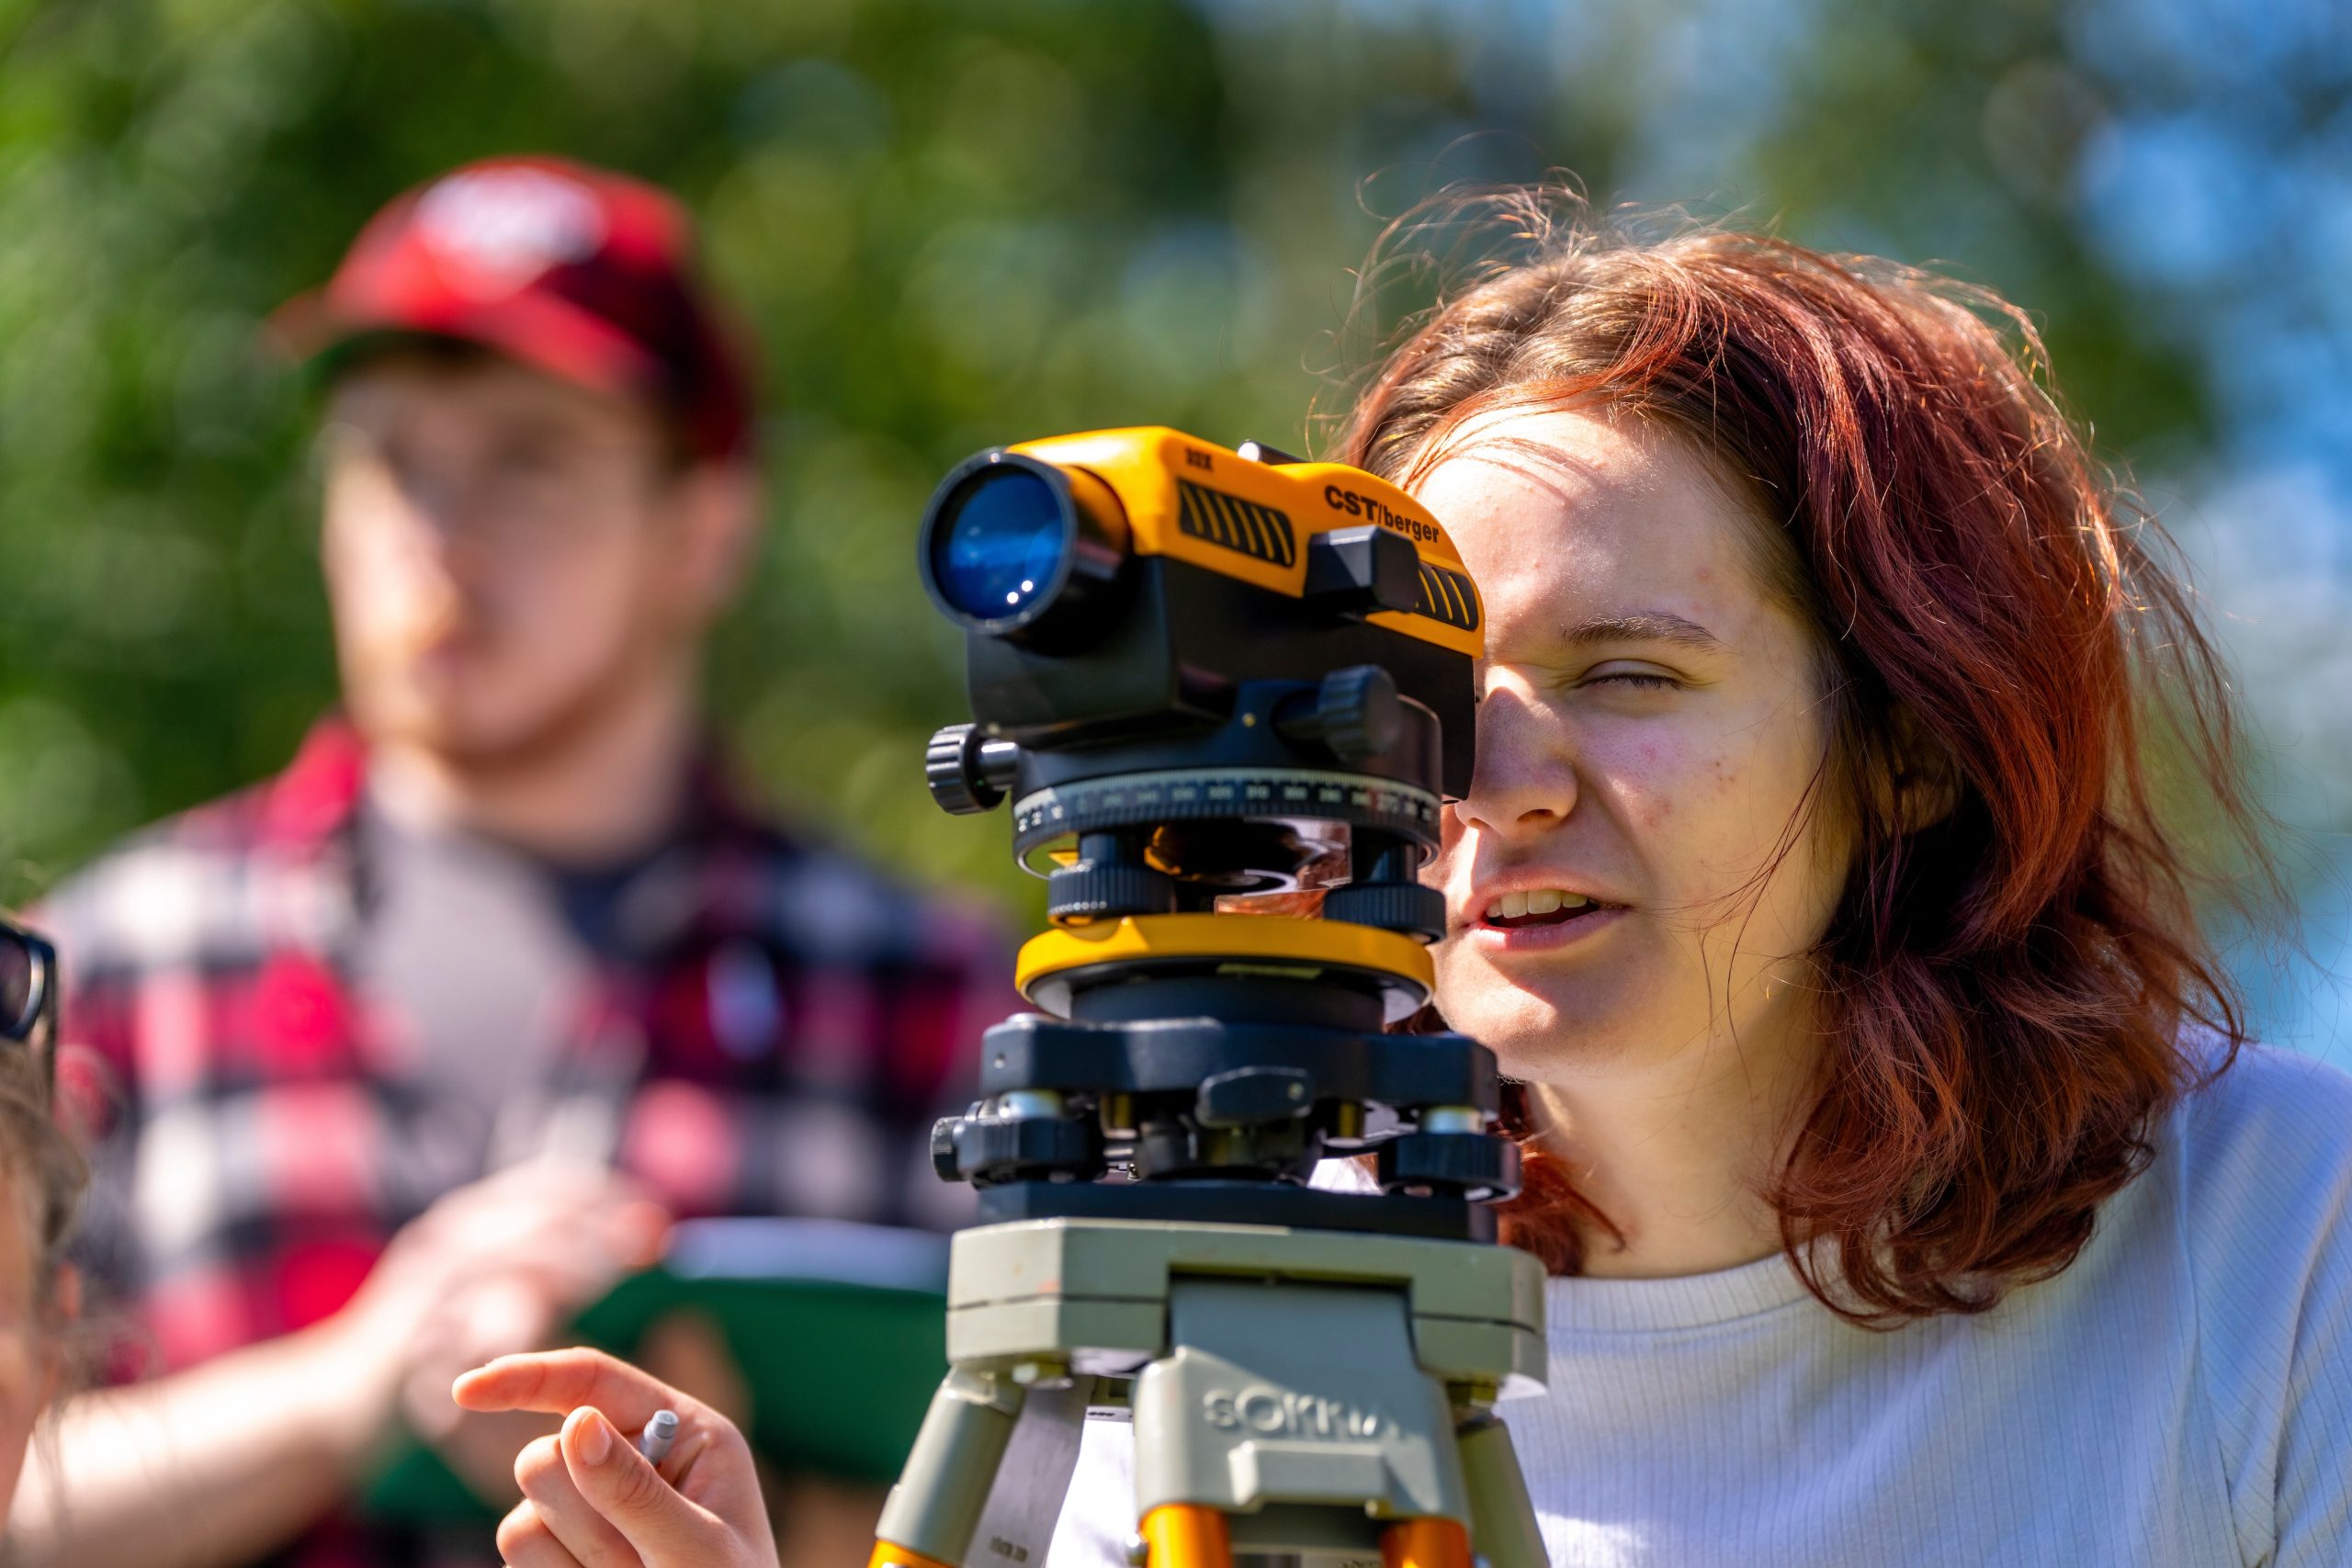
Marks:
<point>537,330</point>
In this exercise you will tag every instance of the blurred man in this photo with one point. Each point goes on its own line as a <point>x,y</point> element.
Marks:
<point>403,1057</point>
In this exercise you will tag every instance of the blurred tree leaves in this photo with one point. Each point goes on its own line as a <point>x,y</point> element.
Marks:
<point>948,224</point>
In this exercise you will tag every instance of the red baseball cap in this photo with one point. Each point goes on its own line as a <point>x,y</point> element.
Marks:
<point>584,274</point>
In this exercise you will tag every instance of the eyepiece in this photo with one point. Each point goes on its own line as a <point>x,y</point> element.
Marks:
<point>1018,549</point>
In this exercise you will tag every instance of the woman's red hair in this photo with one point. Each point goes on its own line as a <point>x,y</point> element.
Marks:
<point>2014,990</point>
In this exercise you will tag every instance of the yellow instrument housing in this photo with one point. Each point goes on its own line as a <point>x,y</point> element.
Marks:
<point>1192,500</point>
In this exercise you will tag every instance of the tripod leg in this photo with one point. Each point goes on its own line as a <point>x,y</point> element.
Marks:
<point>1501,1518</point>
<point>933,1511</point>
<point>1425,1543</point>
<point>1187,1535</point>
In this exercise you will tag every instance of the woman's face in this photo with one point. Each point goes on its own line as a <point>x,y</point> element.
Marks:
<point>1623,888</point>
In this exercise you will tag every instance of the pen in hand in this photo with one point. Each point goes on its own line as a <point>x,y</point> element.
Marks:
<point>659,1434</point>
<point>710,1516</point>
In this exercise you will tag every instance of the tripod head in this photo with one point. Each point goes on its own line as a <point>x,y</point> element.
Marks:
<point>1214,685</point>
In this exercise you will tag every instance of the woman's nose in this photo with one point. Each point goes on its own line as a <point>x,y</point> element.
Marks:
<point>1525,778</point>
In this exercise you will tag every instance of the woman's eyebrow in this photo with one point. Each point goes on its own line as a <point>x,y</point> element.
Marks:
<point>1645,625</point>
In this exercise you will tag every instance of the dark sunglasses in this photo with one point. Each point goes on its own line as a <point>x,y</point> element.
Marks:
<point>28,994</point>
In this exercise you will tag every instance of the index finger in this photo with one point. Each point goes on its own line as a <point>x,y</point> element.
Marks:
<point>557,1382</point>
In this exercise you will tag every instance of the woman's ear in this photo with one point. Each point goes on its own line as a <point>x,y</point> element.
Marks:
<point>1923,778</point>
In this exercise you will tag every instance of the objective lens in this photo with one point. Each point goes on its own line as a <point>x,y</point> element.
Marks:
<point>1000,545</point>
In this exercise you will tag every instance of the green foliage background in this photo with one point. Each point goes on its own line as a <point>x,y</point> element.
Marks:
<point>951,224</point>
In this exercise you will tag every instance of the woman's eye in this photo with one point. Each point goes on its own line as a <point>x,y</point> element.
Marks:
<point>1634,680</point>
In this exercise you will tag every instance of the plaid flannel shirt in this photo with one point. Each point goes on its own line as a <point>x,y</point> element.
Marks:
<point>784,1029</point>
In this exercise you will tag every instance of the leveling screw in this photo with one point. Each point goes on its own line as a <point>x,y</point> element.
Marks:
<point>1138,1549</point>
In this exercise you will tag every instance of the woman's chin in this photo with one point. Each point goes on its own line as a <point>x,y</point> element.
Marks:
<point>1530,1027</point>
<point>1533,1042</point>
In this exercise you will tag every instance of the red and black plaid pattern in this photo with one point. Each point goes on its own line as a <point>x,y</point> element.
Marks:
<point>776,1042</point>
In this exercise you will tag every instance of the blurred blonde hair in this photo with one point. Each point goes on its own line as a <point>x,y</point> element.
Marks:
<point>42,1154</point>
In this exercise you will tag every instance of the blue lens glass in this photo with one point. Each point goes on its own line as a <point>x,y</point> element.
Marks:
<point>1001,543</point>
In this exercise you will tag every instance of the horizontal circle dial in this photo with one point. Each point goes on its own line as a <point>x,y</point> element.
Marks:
<point>1045,819</point>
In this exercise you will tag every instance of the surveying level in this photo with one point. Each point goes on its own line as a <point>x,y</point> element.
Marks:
<point>1213,683</point>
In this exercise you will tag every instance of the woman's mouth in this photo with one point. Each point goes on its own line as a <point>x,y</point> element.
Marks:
<point>1542,917</point>
<point>1538,906</point>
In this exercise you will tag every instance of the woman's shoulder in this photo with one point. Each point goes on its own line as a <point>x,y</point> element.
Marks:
<point>2265,1142</point>
<point>2263,1153</point>
<point>2263,1160</point>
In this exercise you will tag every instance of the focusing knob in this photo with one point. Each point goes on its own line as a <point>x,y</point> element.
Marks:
<point>1406,906</point>
<point>968,773</point>
<point>942,1146</point>
<point>1357,713</point>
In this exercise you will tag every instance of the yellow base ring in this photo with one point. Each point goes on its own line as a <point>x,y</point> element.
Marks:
<point>888,1554</point>
<point>1186,1535</point>
<point>1425,1543</point>
<point>1248,940</point>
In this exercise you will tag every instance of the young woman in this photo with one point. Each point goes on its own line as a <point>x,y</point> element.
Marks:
<point>1911,1194</point>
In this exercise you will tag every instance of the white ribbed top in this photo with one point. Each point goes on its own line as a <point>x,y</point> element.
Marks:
<point>2181,1395</point>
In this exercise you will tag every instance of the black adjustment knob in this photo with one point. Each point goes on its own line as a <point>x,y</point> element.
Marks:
<point>968,773</point>
<point>990,1149</point>
<point>1258,452</point>
<point>943,1148</point>
<point>1361,711</point>
<point>1357,712</point>
<point>1406,906</point>
<point>1476,1165</point>
<point>1246,1096</point>
<point>1099,890</point>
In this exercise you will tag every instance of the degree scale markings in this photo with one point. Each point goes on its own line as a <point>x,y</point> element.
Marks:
<point>1193,795</point>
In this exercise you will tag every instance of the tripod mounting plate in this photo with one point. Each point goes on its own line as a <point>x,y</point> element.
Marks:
<point>1093,1293</point>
